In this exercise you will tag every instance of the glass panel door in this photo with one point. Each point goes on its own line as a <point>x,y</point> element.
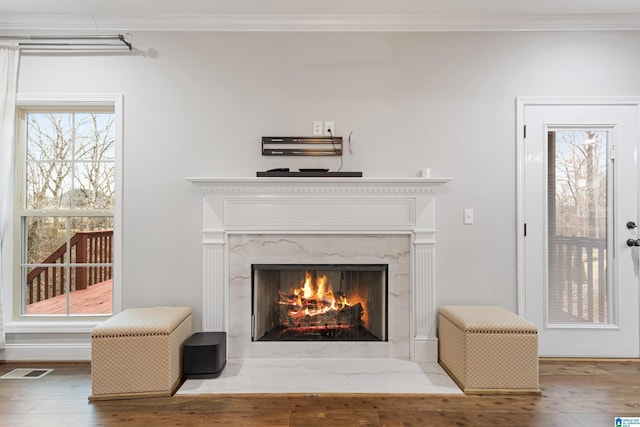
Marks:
<point>579,197</point>
<point>578,217</point>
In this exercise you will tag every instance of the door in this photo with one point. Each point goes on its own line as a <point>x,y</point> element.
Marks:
<point>577,209</point>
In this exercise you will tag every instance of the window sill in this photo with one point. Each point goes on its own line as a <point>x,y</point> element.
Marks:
<point>50,326</point>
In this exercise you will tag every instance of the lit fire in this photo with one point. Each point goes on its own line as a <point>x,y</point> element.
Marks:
<point>317,305</point>
<point>310,301</point>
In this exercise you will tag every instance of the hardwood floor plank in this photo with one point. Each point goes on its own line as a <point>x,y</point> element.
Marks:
<point>474,419</point>
<point>168,418</point>
<point>321,418</point>
<point>48,420</point>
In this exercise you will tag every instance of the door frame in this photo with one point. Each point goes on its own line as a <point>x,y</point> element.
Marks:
<point>521,103</point>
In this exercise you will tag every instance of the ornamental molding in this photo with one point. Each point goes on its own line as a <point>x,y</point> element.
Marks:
<point>317,186</point>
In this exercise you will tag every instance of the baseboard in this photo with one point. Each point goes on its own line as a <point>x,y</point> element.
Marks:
<point>46,352</point>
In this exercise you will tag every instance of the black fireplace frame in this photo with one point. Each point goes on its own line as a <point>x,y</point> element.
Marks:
<point>380,268</point>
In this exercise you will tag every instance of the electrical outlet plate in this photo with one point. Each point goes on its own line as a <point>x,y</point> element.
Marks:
<point>329,126</point>
<point>317,128</point>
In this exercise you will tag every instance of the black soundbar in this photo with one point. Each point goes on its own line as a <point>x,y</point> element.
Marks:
<point>318,174</point>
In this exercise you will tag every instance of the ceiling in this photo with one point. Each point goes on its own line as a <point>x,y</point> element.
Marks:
<point>319,15</point>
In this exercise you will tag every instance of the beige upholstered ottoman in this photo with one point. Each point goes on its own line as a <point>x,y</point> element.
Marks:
<point>488,349</point>
<point>138,353</point>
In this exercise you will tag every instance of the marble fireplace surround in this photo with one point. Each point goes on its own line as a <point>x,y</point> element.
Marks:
<point>262,220</point>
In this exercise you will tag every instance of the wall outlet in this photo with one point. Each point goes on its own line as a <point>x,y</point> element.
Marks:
<point>329,128</point>
<point>317,128</point>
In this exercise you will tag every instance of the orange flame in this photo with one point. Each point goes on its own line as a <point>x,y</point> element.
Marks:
<point>311,298</point>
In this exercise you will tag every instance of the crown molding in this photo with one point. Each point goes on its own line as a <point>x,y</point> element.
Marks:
<point>321,23</point>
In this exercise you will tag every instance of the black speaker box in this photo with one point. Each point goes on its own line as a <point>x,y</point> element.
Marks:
<point>204,355</point>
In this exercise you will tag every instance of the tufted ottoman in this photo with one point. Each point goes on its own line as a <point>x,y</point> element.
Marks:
<point>488,349</point>
<point>138,352</point>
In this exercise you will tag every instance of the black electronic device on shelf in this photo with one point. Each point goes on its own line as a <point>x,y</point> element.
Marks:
<point>306,173</point>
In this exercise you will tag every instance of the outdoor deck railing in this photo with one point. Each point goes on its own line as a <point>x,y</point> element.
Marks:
<point>86,247</point>
<point>577,279</point>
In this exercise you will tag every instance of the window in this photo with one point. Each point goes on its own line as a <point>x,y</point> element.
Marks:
<point>66,209</point>
<point>578,216</point>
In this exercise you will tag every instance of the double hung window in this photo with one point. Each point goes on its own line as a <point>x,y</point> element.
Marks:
<point>66,201</point>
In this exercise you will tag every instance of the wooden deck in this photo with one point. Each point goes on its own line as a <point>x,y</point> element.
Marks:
<point>96,299</point>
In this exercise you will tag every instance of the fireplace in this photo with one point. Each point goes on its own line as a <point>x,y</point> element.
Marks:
<point>319,302</point>
<point>331,221</point>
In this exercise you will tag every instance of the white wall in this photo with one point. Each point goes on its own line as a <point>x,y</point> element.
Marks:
<point>197,104</point>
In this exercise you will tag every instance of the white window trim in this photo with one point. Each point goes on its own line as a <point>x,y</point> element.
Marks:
<point>14,323</point>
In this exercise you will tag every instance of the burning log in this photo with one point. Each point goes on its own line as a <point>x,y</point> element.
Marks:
<point>349,316</point>
<point>316,309</point>
<point>325,331</point>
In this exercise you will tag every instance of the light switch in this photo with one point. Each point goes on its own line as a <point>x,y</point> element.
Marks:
<point>468,216</point>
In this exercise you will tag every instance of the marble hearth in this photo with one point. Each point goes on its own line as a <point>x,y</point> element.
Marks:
<point>321,220</point>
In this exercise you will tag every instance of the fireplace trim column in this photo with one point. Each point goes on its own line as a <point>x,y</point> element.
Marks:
<point>322,206</point>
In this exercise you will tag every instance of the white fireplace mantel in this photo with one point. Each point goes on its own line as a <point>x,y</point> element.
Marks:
<point>322,206</point>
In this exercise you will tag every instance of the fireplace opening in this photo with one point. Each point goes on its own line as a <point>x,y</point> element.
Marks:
<point>319,302</point>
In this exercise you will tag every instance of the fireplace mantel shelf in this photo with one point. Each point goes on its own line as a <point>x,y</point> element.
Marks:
<point>246,180</point>
<point>418,181</point>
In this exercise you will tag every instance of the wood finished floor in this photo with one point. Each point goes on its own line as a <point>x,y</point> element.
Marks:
<point>574,393</point>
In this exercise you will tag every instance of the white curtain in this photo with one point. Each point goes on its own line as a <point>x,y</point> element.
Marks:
<point>9,58</point>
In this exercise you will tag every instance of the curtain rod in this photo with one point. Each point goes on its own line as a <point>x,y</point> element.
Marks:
<point>67,41</point>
